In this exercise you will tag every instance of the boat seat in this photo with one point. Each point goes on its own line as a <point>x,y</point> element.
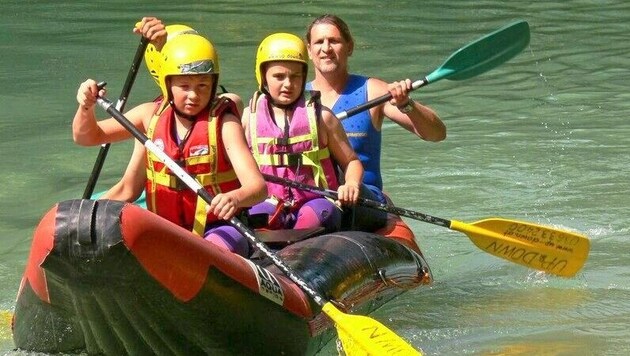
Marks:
<point>278,239</point>
<point>286,236</point>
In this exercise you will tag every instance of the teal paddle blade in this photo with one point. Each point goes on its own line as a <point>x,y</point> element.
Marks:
<point>484,54</point>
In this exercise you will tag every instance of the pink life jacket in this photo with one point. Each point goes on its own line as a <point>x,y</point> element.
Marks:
<point>299,155</point>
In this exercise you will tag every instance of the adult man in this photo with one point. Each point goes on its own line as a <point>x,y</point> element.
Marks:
<point>330,44</point>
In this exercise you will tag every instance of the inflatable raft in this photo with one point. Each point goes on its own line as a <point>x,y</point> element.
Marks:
<point>106,277</point>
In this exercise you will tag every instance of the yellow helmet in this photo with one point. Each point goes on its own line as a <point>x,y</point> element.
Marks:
<point>188,54</point>
<point>279,47</point>
<point>152,56</point>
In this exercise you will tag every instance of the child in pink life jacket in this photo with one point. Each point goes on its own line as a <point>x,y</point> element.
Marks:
<point>291,135</point>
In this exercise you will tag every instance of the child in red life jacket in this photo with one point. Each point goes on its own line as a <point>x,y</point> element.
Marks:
<point>293,136</point>
<point>194,127</point>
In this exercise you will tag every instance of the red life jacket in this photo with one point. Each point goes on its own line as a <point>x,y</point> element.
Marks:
<point>202,155</point>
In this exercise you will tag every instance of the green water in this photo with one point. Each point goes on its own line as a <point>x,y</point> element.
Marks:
<point>543,138</point>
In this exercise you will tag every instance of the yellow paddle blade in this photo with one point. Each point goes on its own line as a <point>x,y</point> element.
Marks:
<point>554,251</point>
<point>5,324</point>
<point>361,335</point>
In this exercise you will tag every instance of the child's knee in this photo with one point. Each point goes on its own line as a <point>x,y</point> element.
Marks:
<point>230,238</point>
<point>264,207</point>
<point>319,212</point>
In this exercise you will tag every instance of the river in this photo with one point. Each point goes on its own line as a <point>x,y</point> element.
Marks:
<point>542,138</point>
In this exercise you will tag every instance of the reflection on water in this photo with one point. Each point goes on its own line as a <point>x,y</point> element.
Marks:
<point>542,138</point>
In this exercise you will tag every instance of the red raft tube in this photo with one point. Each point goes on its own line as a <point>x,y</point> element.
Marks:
<point>106,277</point>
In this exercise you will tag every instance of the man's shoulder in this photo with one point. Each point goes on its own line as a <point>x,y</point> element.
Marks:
<point>376,87</point>
<point>375,81</point>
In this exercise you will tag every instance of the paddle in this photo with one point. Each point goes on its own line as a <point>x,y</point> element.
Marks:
<point>361,334</point>
<point>558,252</point>
<point>5,322</point>
<point>471,60</point>
<point>122,100</point>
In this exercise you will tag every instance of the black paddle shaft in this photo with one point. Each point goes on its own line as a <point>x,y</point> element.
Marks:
<point>365,202</point>
<point>122,100</point>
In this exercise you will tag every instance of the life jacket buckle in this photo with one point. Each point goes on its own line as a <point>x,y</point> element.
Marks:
<point>282,141</point>
<point>275,220</point>
<point>288,204</point>
<point>179,184</point>
<point>292,159</point>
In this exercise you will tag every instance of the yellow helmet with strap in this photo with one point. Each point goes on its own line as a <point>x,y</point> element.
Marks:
<point>188,54</point>
<point>152,57</point>
<point>279,47</point>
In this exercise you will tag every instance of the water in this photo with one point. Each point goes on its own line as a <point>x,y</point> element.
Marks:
<point>542,138</point>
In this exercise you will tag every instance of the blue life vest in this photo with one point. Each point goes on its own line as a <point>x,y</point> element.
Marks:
<point>364,138</point>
